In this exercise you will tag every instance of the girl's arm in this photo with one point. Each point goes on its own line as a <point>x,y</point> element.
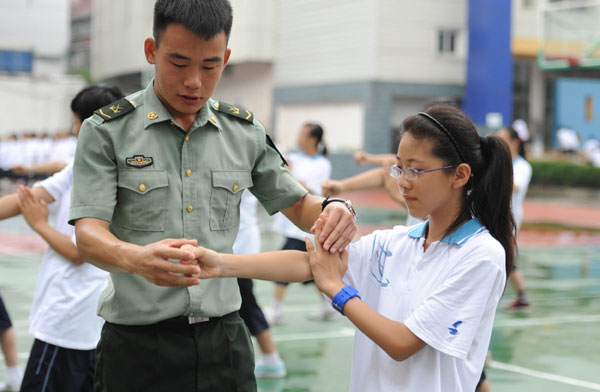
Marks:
<point>35,212</point>
<point>284,265</point>
<point>392,336</point>
<point>9,204</point>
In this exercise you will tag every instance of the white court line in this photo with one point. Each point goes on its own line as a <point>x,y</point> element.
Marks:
<point>527,322</point>
<point>543,375</point>
<point>341,333</point>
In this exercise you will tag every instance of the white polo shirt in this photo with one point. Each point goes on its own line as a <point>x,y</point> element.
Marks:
<point>248,237</point>
<point>521,178</point>
<point>447,296</point>
<point>66,296</point>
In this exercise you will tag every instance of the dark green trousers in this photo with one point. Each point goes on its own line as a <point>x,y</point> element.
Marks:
<point>173,355</point>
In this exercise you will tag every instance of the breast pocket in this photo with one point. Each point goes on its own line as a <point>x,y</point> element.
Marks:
<point>225,196</point>
<point>142,200</point>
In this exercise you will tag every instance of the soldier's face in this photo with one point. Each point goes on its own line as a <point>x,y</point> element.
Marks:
<point>187,68</point>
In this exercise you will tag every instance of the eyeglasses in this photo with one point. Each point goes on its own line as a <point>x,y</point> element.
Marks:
<point>410,173</point>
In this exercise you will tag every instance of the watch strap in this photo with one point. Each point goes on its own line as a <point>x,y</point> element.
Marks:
<point>347,203</point>
<point>343,296</point>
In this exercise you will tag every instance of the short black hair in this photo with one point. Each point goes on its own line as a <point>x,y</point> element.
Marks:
<point>205,18</point>
<point>92,98</point>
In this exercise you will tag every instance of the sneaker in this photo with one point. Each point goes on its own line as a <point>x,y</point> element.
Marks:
<point>518,306</point>
<point>4,387</point>
<point>323,314</point>
<point>275,316</point>
<point>268,370</point>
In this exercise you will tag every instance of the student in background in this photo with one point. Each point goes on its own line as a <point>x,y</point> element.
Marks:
<point>310,167</point>
<point>63,316</point>
<point>248,242</point>
<point>522,176</point>
<point>8,343</point>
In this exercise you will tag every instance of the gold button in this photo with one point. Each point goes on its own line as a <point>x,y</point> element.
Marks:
<point>142,187</point>
<point>188,172</point>
<point>235,188</point>
<point>191,314</point>
<point>152,115</point>
<point>187,138</point>
<point>172,123</point>
<point>190,208</point>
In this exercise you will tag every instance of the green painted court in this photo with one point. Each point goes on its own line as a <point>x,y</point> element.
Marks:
<point>554,348</point>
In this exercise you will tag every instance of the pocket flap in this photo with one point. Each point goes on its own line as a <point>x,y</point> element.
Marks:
<point>143,181</point>
<point>234,181</point>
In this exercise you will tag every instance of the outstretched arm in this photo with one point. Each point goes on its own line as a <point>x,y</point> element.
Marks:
<point>371,179</point>
<point>362,158</point>
<point>42,168</point>
<point>9,204</point>
<point>35,212</point>
<point>283,265</point>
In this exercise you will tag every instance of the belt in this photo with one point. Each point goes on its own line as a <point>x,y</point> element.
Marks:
<point>193,319</point>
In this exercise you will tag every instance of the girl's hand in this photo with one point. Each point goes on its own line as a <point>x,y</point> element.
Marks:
<point>327,269</point>
<point>208,260</point>
<point>34,211</point>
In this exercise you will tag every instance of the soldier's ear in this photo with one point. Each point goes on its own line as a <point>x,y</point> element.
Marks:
<point>150,50</point>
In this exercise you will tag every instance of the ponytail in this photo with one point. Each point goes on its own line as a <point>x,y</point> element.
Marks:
<point>317,132</point>
<point>487,195</point>
<point>491,195</point>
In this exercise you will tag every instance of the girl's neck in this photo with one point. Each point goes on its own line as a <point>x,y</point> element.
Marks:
<point>311,151</point>
<point>439,224</point>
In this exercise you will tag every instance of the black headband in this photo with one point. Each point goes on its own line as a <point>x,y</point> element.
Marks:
<point>443,129</point>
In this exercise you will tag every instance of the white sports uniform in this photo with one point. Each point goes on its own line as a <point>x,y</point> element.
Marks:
<point>521,178</point>
<point>66,296</point>
<point>446,295</point>
<point>248,238</point>
<point>311,170</point>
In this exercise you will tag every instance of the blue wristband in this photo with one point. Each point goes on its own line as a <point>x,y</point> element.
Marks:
<point>342,297</point>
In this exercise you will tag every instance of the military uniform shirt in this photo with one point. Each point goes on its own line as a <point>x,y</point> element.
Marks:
<point>151,180</point>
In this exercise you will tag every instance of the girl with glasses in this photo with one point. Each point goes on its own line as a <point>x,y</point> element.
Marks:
<point>423,299</point>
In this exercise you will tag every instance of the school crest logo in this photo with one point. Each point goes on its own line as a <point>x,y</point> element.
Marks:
<point>454,328</point>
<point>139,161</point>
<point>379,253</point>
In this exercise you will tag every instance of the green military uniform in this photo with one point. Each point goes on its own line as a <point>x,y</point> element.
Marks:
<point>136,168</point>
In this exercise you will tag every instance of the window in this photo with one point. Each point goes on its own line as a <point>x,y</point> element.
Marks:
<point>447,41</point>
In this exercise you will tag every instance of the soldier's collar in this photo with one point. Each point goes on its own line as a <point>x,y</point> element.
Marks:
<point>153,109</point>
<point>207,115</point>
<point>155,112</point>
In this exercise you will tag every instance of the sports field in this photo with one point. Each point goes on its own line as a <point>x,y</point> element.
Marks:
<point>553,348</point>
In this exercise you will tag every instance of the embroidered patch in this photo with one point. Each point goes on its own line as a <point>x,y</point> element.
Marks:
<point>139,161</point>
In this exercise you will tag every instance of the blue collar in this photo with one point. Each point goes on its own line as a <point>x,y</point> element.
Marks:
<point>459,237</point>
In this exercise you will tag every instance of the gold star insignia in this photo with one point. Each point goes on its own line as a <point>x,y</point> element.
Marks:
<point>116,108</point>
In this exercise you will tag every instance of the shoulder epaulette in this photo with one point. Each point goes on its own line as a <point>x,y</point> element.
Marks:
<point>236,111</point>
<point>115,109</point>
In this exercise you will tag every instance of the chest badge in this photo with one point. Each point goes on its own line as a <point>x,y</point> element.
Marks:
<point>139,161</point>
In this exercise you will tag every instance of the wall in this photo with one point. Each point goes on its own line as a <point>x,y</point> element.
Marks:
<point>46,110</point>
<point>570,109</point>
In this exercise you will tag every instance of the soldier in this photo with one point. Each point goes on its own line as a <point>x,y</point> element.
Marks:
<point>164,168</point>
